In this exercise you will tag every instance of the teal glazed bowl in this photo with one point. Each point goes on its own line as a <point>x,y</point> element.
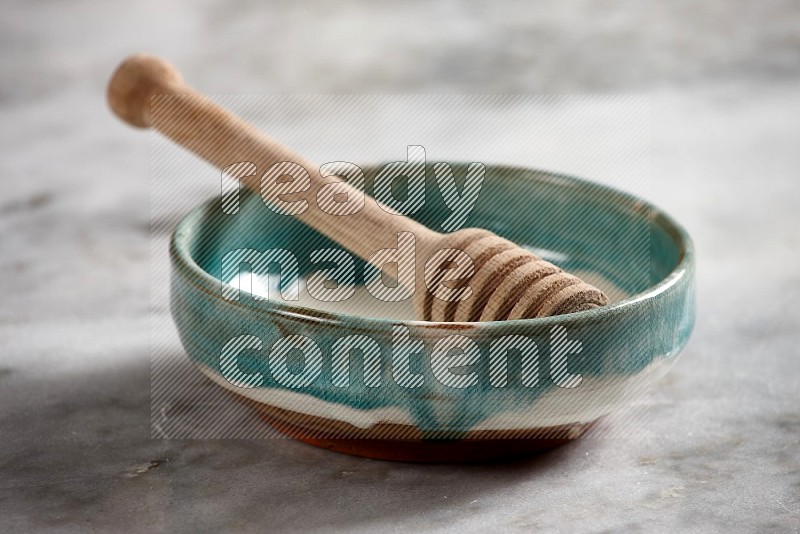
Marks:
<point>362,377</point>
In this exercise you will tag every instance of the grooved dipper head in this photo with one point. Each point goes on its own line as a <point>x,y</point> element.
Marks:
<point>509,282</point>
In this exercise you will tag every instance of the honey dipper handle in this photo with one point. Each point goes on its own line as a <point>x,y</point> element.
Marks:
<point>196,123</point>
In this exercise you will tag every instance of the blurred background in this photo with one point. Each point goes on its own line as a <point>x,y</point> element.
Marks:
<point>75,250</point>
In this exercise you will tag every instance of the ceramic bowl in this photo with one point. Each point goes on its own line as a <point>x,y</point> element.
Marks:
<point>524,385</point>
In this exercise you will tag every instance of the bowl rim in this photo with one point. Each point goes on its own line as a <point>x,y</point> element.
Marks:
<point>182,260</point>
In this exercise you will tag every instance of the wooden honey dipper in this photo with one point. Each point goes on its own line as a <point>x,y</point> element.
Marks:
<point>507,281</point>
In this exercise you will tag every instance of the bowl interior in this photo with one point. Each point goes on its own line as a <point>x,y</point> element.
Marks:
<point>609,238</point>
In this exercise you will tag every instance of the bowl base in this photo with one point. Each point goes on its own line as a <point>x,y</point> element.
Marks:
<point>402,443</point>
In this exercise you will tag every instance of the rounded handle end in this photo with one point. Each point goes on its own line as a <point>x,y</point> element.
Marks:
<point>133,84</point>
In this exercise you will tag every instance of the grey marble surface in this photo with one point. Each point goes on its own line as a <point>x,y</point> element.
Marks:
<point>722,451</point>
